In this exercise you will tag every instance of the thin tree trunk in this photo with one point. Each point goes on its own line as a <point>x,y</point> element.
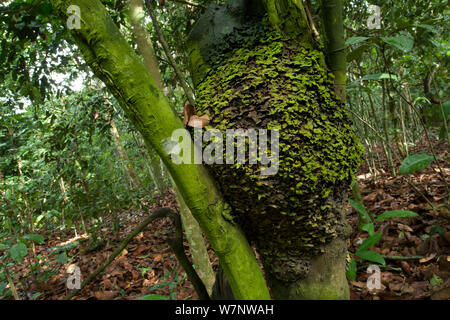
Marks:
<point>11,283</point>
<point>143,41</point>
<point>63,193</point>
<point>131,173</point>
<point>162,40</point>
<point>197,247</point>
<point>154,168</point>
<point>194,235</point>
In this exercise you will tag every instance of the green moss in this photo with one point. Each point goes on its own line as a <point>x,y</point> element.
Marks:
<point>275,83</point>
<point>112,60</point>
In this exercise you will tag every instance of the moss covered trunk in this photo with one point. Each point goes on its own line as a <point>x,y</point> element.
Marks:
<point>200,256</point>
<point>114,61</point>
<point>255,65</point>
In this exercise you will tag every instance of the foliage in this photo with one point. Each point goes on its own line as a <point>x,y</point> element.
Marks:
<point>363,250</point>
<point>415,162</point>
<point>172,284</point>
<point>388,67</point>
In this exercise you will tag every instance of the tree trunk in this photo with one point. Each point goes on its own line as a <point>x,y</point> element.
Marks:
<point>116,64</point>
<point>197,247</point>
<point>129,170</point>
<point>252,74</point>
<point>193,231</point>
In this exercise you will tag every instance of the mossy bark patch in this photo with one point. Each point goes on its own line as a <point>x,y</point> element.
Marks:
<point>275,83</point>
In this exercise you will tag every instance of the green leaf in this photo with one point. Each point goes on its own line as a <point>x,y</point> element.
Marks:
<point>159,285</point>
<point>360,208</point>
<point>357,53</point>
<point>436,229</point>
<point>3,285</point>
<point>415,162</point>
<point>370,228</point>
<point>35,238</point>
<point>18,251</point>
<point>446,109</point>
<point>404,43</point>
<point>62,257</point>
<point>427,27</point>
<point>378,76</point>
<point>369,242</point>
<point>355,40</point>
<point>3,291</point>
<point>371,256</point>
<point>351,270</point>
<point>436,281</point>
<point>36,295</point>
<point>396,214</point>
<point>153,297</point>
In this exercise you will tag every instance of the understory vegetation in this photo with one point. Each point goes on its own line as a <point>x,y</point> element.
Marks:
<point>77,177</point>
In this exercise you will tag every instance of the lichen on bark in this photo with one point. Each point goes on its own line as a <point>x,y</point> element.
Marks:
<point>260,78</point>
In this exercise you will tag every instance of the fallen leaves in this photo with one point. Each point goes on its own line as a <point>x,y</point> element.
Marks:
<point>427,258</point>
<point>443,294</point>
<point>423,241</point>
<point>141,266</point>
<point>105,295</point>
<point>405,267</point>
<point>140,250</point>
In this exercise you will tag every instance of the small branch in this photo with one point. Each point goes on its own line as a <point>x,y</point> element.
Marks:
<point>402,257</point>
<point>175,243</point>
<point>351,30</point>
<point>311,21</point>
<point>11,283</point>
<point>420,193</point>
<point>162,40</point>
<point>427,86</point>
<point>27,8</point>
<point>190,3</point>
<point>367,124</point>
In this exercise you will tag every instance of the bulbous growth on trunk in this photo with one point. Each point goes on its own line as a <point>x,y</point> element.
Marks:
<point>264,80</point>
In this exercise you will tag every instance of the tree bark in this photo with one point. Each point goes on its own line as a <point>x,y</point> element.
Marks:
<point>193,231</point>
<point>266,80</point>
<point>131,173</point>
<point>115,63</point>
<point>336,51</point>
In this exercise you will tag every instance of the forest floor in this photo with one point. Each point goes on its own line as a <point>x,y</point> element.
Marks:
<point>147,265</point>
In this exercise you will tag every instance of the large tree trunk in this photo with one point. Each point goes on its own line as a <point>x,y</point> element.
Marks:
<point>253,72</point>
